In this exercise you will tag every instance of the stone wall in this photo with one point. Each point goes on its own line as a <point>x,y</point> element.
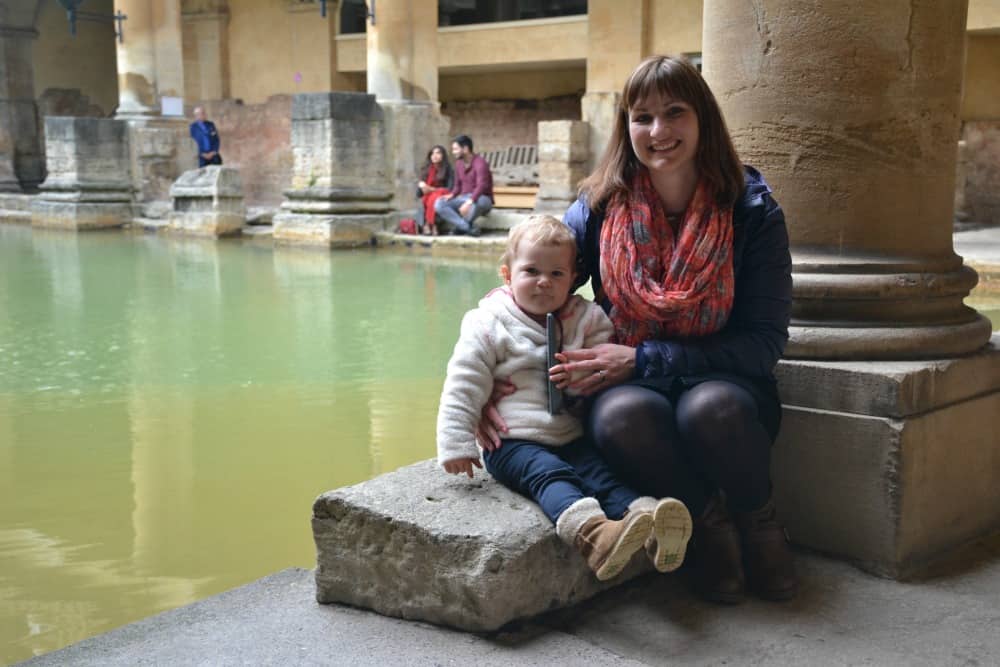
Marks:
<point>256,138</point>
<point>495,124</point>
<point>982,171</point>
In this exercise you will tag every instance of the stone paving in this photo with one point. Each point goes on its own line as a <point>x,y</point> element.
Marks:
<point>842,617</point>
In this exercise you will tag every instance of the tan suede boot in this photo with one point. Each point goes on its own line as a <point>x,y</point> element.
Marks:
<point>671,532</point>
<point>608,545</point>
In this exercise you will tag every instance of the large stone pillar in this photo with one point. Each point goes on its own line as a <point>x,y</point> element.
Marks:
<point>340,189</point>
<point>151,96</point>
<point>403,77</point>
<point>617,39</point>
<point>850,109</point>
<point>21,164</point>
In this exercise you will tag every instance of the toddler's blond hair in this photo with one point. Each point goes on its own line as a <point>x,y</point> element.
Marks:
<point>540,229</point>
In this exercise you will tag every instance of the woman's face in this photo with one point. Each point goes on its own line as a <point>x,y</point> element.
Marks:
<point>437,156</point>
<point>664,133</point>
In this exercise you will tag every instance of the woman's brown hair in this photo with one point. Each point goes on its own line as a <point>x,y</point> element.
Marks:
<point>716,159</point>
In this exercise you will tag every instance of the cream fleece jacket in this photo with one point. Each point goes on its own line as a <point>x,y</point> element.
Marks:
<point>499,340</point>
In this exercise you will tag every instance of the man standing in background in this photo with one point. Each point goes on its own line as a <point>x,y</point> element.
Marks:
<point>207,137</point>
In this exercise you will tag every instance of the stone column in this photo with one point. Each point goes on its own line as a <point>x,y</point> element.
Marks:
<point>151,68</point>
<point>403,77</point>
<point>21,164</point>
<point>617,34</point>
<point>341,192</point>
<point>850,110</point>
<point>562,163</point>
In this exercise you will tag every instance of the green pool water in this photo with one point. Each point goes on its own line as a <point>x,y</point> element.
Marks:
<point>169,410</point>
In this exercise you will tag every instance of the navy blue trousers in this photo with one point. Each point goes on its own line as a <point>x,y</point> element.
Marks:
<point>557,477</point>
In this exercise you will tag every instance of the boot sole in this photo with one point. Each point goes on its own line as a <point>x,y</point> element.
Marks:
<point>672,529</point>
<point>632,539</point>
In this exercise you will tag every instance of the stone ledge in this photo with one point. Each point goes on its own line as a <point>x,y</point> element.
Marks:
<point>422,545</point>
<point>889,388</point>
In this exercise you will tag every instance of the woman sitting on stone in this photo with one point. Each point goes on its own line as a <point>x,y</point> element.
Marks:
<point>688,253</point>
<point>436,179</point>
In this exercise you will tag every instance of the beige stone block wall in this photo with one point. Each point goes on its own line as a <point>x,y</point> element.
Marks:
<point>276,47</point>
<point>674,27</point>
<point>495,124</point>
<point>981,93</point>
<point>85,63</point>
<point>984,14</point>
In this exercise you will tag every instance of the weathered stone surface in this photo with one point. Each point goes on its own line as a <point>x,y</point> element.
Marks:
<point>893,464</point>
<point>419,544</point>
<point>333,231</point>
<point>208,202</point>
<point>563,131</point>
<point>88,185</point>
<point>82,216</point>
<point>340,192</point>
<point>411,129</point>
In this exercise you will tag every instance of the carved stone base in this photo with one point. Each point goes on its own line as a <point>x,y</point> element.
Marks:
<point>331,231</point>
<point>80,216</point>
<point>890,464</point>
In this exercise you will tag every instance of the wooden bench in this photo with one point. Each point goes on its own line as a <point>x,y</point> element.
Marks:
<point>515,175</point>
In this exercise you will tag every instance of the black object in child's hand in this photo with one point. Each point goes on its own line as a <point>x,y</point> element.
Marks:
<point>552,331</point>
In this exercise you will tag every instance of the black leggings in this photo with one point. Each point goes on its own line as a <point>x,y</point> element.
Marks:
<point>709,437</point>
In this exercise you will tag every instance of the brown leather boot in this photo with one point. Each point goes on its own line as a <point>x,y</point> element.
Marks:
<point>608,545</point>
<point>770,569</point>
<point>718,566</point>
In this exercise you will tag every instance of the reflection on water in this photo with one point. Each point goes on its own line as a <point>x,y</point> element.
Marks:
<point>169,409</point>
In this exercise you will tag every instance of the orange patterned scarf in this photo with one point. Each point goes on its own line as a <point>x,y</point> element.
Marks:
<point>662,285</point>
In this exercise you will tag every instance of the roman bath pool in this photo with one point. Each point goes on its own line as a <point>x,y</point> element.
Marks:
<point>169,409</point>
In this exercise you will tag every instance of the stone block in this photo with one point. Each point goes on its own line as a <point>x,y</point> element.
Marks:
<point>574,132</point>
<point>563,153</point>
<point>81,216</point>
<point>422,545</point>
<point>890,464</point>
<point>560,174</point>
<point>342,106</point>
<point>208,202</point>
<point>330,231</point>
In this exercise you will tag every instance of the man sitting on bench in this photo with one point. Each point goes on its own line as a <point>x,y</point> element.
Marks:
<point>472,194</point>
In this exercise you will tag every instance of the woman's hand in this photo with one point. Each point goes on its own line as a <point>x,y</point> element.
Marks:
<point>458,466</point>
<point>591,370</point>
<point>491,424</point>
<point>424,187</point>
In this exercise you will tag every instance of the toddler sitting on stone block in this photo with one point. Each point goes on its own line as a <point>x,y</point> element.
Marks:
<point>544,456</point>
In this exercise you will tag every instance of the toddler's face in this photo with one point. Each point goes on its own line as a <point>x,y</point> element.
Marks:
<point>540,276</point>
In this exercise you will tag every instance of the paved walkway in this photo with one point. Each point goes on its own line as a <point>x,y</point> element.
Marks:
<point>842,617</point>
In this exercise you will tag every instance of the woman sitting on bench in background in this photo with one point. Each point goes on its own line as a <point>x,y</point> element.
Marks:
<point>436,179</point>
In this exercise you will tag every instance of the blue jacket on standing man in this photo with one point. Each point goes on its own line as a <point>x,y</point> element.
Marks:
<point>207,137</point>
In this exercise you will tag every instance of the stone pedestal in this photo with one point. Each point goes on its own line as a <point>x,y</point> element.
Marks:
<point>889,464</point>
<point>341,192</point>
<point>208,202</point>
<point>89,184</point>
<point>563,151</point>
<point>423,545</point>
